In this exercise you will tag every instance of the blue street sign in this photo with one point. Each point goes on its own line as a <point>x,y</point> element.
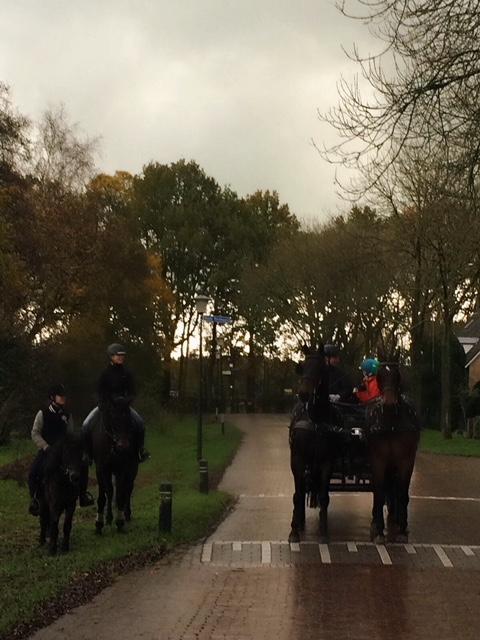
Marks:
<point>218,319</point>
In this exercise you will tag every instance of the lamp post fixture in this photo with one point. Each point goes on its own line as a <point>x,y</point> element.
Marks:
<point>201,302</point>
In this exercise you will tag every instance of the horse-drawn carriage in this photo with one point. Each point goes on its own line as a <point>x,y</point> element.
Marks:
<point>348,447</point>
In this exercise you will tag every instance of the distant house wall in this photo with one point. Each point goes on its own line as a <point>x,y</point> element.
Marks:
<point>474,372</point>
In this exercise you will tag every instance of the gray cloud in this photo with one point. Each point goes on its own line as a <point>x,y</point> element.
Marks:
<point>233,84</point>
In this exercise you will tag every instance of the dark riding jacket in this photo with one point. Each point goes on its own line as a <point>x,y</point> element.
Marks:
<point>116,386</point>
<point>50,425</point>
<point>339,383</point>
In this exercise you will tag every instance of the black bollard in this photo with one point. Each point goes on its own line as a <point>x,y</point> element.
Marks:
<point>165,511</point>
<point>203,464</point>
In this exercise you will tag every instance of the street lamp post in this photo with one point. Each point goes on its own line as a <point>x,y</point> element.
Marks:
<point>201,302</point>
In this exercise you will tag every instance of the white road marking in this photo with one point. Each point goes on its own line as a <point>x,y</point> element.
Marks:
<point>409,548</point>
<point>383,553</point>
<point>266,553</point>
<point>468,551</point>
<point>236,546</point>
<point>358,494</point>
<point>352,547</point>
<point>207,552</point>
<point>444,559</point>
<point>295,547</point>
<point>325,554</point>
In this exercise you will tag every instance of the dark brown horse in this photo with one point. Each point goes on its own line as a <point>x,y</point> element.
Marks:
<point>393,440</point>
<point>116,458</point>
<point>60,489</point>
<point>311,444</point>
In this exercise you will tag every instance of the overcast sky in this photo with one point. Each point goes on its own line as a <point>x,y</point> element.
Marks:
<point>232,84</point>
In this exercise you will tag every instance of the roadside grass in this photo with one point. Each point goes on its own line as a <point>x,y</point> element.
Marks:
<point>17,448</point>
<point>29,577</point>
<point>432,441</point>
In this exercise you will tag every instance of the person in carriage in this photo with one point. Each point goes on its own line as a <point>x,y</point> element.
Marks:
<point>369,389</point>
<point>340,385</point>
<point>50,425</point>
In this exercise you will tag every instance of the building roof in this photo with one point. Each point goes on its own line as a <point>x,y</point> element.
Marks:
<point>472,354</point>
<point>471,329</point>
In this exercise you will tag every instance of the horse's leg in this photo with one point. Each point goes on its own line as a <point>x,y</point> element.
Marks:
<point>99,522</point>
<point>391,499</point>
<point>67,526</point>
<point>298,470</point>
<point>44,517</point>
<point>120,501</point>
<point>404,474</point>
<point>109,493</point>
<point>54,518</point>
<point>324,499</point>
<point>379,451</point>
<point>129,491</point>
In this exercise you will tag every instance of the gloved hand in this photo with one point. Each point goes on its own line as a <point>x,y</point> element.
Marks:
<point>334,397</point>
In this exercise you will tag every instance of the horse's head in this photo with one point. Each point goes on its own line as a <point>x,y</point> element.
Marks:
<point>313,373</point>
<point>67,457</point>
<point>389,382</point>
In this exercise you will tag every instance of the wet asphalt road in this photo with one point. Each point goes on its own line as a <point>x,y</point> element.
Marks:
<point>247,582</point>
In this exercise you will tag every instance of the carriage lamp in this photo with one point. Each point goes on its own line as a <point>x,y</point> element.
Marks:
<point>201,303</point>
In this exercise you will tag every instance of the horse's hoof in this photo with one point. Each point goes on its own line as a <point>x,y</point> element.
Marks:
<point>65,548</point>
<point>98,528</point>
<point>52,551</point>
<point>402,538</point>
<point>379,539</point>
<point>120,524</point>
<point>128,517</point>
<point>294,536</point>
<point>324,538</point>
<point>109,520</point>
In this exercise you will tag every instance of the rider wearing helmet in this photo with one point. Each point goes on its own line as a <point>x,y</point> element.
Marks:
<point>340,384</point>
<point>116,388</point>
<point>49,426</point>
<point>369,389</point>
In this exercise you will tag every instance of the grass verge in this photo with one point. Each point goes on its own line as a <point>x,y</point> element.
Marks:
<point>432,441</point>
<point>29,578</point>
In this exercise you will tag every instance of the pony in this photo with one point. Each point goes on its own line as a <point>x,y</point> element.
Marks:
<point>393,435</point>
<point>311,444</point>
<point>60,489</point>
<point>115,454</point>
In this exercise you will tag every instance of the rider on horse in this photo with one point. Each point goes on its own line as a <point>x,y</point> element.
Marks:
<point>50,425</point>
<point>116,389</point>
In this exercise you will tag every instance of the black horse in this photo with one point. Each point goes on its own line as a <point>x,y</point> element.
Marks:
<point>393,440</point>
<point>312,444</point>
<point>60,489</point>
<point>116,457</point>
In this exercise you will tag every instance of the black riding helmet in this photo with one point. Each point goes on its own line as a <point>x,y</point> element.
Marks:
<point>116,349</point>
<point>56,390</point>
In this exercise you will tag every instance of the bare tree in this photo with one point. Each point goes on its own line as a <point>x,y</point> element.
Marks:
<point>421,90</point>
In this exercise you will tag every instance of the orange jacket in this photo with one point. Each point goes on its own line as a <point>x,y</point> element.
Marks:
<point>371,390</point>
